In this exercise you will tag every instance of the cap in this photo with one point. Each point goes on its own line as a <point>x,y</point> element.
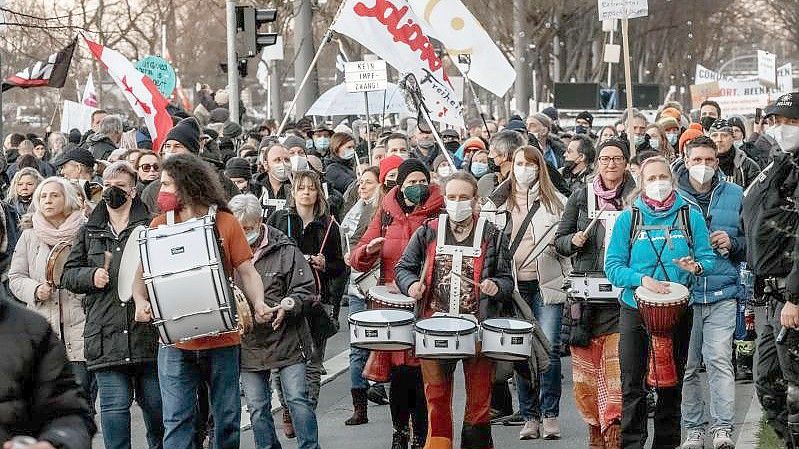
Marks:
<point>787,106</point>
<point>79,155</point>
<point>474,142</point>
<point>720,126</point>
<point>451,133</point>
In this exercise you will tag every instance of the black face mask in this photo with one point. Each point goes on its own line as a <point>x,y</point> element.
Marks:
<point>390,184</point>
<point>115,197</point>
<point>707,121</point>
<point>25,198</point>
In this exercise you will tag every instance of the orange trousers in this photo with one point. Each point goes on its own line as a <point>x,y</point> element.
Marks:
<point>438,381</point>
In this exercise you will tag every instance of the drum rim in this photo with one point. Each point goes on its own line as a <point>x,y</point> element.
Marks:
<point>490,327</point>
<point>404,322</point>
<point>494,354</point>
<point>440,333</point>
<point>671,303</point>
<point>449,355</point>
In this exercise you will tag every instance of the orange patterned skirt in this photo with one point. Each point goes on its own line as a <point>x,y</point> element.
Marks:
<point>597,381</point>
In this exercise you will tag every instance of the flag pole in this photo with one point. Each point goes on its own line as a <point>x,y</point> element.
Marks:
<point>325,40</point>
<point>1,97</point>
<point>411,86</point>
<point>628,82</point>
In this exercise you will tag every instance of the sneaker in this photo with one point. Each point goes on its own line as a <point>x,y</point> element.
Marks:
<point>551,429</point>
<point>530,431</point>
<point>694,440</point>
<point>515,419</point>
<point>722,439</point>
<point>377,394</point>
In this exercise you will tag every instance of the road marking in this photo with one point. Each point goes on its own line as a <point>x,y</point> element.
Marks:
<point>748,435</point>
<point>335,366</point>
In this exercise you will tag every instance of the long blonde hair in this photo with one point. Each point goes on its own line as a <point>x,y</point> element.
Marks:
<point>549,195</point>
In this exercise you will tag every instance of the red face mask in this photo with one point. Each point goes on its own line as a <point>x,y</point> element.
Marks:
<point>168,201</point>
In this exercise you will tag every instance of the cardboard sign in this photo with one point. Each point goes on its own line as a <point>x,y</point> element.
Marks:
<point>622,9</point>
<point>767,68</point>
<point>157,69</point>
<point>366,76</point>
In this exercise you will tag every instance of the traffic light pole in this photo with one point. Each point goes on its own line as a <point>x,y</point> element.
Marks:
<point>232,63</point>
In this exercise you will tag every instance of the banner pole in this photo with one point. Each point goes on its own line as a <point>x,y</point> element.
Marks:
<point>368,130</point>
<point>628,82</point>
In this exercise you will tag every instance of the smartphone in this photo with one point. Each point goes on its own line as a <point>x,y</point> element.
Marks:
<point>758,115</point>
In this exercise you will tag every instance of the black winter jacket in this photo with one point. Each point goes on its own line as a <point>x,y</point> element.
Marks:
<point>339,174</point>
<point>38,392</point>
<point>101,146</point>
<point>496,266</point>
<point>285,273</point>
<point>111,336</point>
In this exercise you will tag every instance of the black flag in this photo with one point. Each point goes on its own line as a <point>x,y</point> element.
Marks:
<point>49,73</point>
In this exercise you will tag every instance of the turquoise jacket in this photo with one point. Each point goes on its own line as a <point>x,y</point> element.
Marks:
<point>626,264</point>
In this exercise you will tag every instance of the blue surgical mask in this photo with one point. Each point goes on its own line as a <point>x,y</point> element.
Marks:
<point>321,143</point>
<point>308,144</point>
<point>655,144</point>
<point>673,138</point>
<point>638,139</point>
<point>478,169</point>
<point>252,237</point>
<point>738,144</point>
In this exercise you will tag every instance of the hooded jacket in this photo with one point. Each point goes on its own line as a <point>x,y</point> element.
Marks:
<point>39,395</point>
<point>745,169</point>
<point>285,273</point>
<point>397,227</point>
<point>627,262</point>
<point>112,337</point>
<point>723,214</point>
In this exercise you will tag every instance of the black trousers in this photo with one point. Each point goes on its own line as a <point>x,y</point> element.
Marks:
<point>407,401</point>
<point>634,355</point>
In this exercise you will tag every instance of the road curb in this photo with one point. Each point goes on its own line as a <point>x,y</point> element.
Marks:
<point>750,429</point>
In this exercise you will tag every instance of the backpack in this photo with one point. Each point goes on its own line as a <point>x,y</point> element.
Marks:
<point>770,219</point>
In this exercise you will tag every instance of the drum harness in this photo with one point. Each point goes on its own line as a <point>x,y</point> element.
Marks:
<point>636,227</point>
<point>458,252</point>
<point>269,202</point>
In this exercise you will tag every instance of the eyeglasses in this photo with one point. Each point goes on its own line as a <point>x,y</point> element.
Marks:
<point>150,167</point>
<point>605,160</point>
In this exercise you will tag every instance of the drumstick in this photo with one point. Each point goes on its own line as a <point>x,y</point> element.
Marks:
<point>593,222</point>
<point>465,279</point>
<point>107,260</point>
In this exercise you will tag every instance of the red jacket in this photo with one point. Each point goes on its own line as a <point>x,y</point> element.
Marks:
<point>397,232</point>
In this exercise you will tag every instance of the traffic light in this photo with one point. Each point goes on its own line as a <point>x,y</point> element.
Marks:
<point>248,22</point>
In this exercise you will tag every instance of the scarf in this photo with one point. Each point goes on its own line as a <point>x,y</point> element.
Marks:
<point>606,197</point>
<point>660,206</point>
<point>52,236</point>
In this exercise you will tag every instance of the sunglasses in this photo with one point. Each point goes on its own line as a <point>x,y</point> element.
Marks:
<point>150,167</point>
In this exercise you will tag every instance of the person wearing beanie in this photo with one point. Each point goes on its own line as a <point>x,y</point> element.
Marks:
<point>239,172</point>
<point>671,112</point>
<point>297,153</point>
<point>182,138</point>
<point>219,115</point>
<point>231,130</point>
<point>389,169</point>
<point>403,210</point>
<point>516,125</point>
<point>733,163</point>
<point>671,128</point>
<point>583,122</point>
<point>540,126</point>
<point>690,134</point>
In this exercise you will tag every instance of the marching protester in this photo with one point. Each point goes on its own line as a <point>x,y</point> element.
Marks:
<point>397,145</point>
<point>500,163</point>
<point>639,254</point>
<point>578,161</point>
<point>340,169</point>
<point>432,284</point>
<point>425,147</point>
<point>20,193</point>
<point>594,338</point>
<point>148,167</point>
<point>535,208</point>
<point>120,352</point>
<point>188,189</point>
<point>238,170</point>
<point>539,126</point>
<point>107,138</point>
<point>274,181</point>
<point>715,300</point>
<point>404,209</point>
<point>279,345</point>
<point>736,166</point>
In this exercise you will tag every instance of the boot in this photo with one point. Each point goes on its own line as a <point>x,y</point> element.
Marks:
<point>595,440</point>
<point>377,394</point>
<point>400,439</point>
<point>359,408</point>
<point>288,426</point>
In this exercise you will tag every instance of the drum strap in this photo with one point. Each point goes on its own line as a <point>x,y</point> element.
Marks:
<point>457,252</point>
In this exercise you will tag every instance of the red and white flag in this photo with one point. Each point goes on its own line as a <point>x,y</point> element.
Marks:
<point>139,90</point>
<point>391,30</point>
<point>89,97</point>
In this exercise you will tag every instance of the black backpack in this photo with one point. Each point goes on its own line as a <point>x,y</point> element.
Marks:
<point>770,219</point>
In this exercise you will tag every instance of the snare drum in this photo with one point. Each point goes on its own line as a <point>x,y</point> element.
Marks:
<point>383,298</point>
<point>591,286</point>
<point>507,339</point>
<point>660,313</point>
<point>382,330</point>
<point>446,337</point>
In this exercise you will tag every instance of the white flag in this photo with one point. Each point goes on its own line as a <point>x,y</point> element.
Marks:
<point>392,31</point>
<point>89,94</point>
<point>461,33</point>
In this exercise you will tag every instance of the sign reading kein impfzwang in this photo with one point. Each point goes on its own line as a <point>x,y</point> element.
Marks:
<point>622,9</point>
<point>366,76</point>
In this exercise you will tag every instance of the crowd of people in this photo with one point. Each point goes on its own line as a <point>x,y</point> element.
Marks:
<point>694,200</point>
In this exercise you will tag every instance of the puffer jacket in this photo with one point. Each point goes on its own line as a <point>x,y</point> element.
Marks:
<point>111,335</point>
<point>627,262</point>
<point>285,273</point>
<point>551,268</point>
<point>339,173</point>
<point>64,309</point>
<point>397,227</point>
<point>38,392</point>
<point>495,263</point>
<point>724,214</point>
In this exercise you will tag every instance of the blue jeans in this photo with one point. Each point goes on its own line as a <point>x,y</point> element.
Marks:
<point>358,356</point>
<point>711,342</point>
<point>117,387</point>
<point>258,393</point>
<point>545,400</point>
<point>180,373</point>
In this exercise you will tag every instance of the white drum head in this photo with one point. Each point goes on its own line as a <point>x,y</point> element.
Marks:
<point>446,324</point>
<point>381,316</point>
<point>678,293</point>
<point>128,265</point>
<point>381,293</point>
<point>508,324</point>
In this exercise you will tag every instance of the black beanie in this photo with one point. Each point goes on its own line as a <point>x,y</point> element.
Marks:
<point>187,132</point>
<point>585,115</point>
<point>409,166</point>
<point>615,142</point>
<point>238,167</point>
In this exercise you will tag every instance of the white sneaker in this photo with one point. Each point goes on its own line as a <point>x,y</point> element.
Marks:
<point>722,439</point>
<point>551,429</point>
<point>530,431</point>
<point>694,440</point>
